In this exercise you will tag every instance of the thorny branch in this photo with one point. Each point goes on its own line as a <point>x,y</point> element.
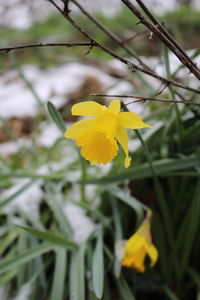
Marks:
<point>130,64</point>
<point>143,99</point>
<point>163,35</point>
<point>161,28</point>
<point>8,49</point>
<point>113,36</point>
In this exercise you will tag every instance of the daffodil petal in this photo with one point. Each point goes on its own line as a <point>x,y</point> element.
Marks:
<point>153,253</point>
<point>88,108</point>
<point>114,107</point>
<point>135,242</point>
<point>77,128</point>
<point>122,137</point>
<point>132,121</point>
<point>135,260</point>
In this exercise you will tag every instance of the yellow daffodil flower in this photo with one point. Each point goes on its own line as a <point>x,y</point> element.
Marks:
<point>140,245</point>
<point>98,136</point>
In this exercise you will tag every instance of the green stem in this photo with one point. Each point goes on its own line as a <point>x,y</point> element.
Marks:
<point>161,199</point>
<point>83,177</point>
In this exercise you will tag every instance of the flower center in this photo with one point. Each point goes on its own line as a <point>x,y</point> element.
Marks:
<point>97,147</point>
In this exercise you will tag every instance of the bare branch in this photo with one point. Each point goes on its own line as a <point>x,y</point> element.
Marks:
<point>132,66</point>
<point>134,36</point>
<point>113,36</point>
<point>169,42</point>
<point>143,99</point>
<point>8,49</point>
<point>161,28</point>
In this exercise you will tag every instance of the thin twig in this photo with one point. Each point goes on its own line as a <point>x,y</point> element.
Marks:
<point>162,28</point>
<point>194,110</point>
<point>132,66</point>
<point>135,35</point>
<point>143,99</point>
<point>162,36</point>
<point>113,36</point>
<point>8,49</point>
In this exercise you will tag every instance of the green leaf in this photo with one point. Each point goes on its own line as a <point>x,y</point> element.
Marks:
<point>52,197</point>
<point>195,276</point>
<point>137,206</point>
<point>192,227</point>
<point>28,255</point>
<point>118,233</point>
<point>162,167</point>
<point>77,274</point>
<point>55,115</point>
<point>170,293</point>
<point>59,274</point>
<point>17,193</point>
<point>98,267</point>
<point>51,237</point>
<point>124,289</point>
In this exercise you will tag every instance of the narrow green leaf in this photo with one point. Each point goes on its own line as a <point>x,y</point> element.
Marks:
<point>130,200</point>
<point>51,237</point>
<point>195,276</point>
<point>192,227</point>
<point>81,272</point>
<point>170,293</point>
<point>162,167</point>
<point>17,193</point>
<point>52,197</point>
<point>124,289</point>
<point>59,274</point>
<point>28,255</point>
<point>55,115</point>
<point>8,276</point>
<point>118,233</point>
<point>98,267</point>
<point>77,274</point>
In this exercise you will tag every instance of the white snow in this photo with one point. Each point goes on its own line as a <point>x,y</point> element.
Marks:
<point>28,201</point>
<point>52,84</point>
<point>81,225</point>
<point>24,292</point>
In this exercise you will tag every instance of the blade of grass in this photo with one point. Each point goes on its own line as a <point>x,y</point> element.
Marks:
<point>77,274</point>
<point>17,260</point>
<point>192,227</point>
<point>170,293</point>
<point>161,167</point>
<point>118,233</point>
<point>98,266</point>
<point>51,237</point>
<point>137,206</point>
<point>55,116</point>
<point>194,275</point>
<point>59,274</point>
<point>17,193</point>
<point>52,198</point>
<point>179,123</point>
<point>124,289</point>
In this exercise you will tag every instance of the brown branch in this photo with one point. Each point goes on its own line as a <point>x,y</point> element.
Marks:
<point>113,36</point>
<point>195,111</point>
<point>169,42</point>
<point>131,65</point>
<point>143,99</point>
<point>8,49</point>
<point>166,33</point>
<point>129,39</point>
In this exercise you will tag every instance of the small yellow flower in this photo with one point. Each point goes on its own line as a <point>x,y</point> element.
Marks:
<point>98,136</point>
<point>140,245</point>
